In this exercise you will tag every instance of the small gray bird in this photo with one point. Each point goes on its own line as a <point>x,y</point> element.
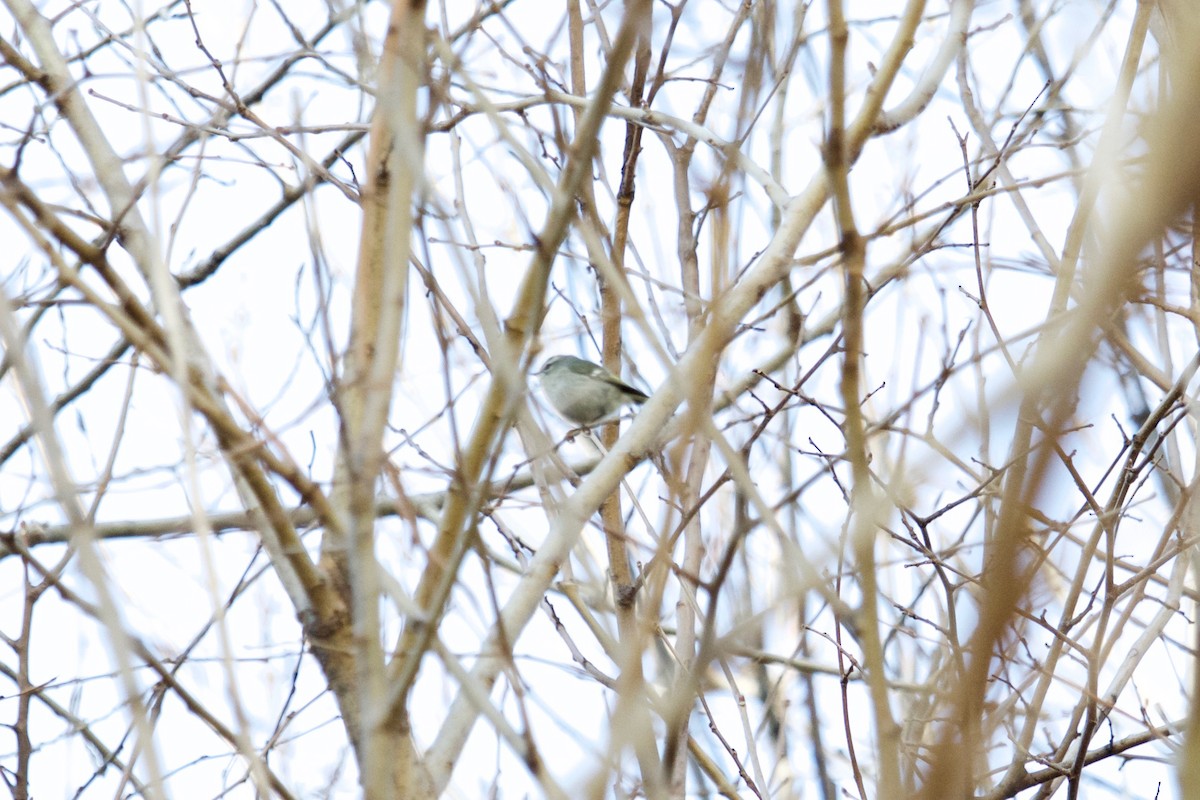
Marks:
<point>583,392</point>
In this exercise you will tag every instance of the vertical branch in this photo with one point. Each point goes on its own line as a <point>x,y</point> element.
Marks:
<point>610,309</point>
<point>610,316</point>
<point>394,166</point>
<point>1189,753</point>
<point>634,637</point>
<point>1182,69</point>
<point>25,689</point>
<point>863,504</point>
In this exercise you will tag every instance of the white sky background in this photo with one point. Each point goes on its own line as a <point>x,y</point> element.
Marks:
<point>257,316</point>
